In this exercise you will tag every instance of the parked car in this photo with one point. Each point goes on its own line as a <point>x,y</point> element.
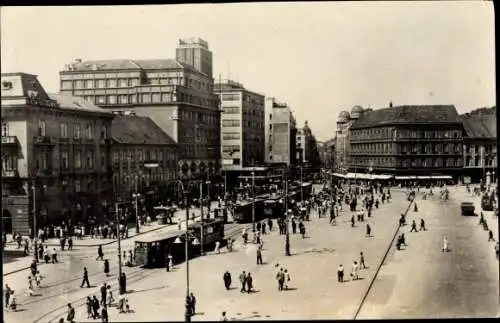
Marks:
<point>468,208</point>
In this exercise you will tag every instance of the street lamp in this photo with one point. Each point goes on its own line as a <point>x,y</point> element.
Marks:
<point>287,237</point>
<point>35,253</point>
<point>186,250</point>
<point>253,204</point>
<point>136,196</point>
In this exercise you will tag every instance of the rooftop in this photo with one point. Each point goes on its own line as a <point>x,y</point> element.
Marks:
<point>126,64</point>
<point>408,114</point>
<point>480,126</point>
<point>75,103</point>
<point>136,130</point>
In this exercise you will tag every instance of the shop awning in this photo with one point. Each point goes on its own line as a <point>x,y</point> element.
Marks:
<point>423,177</point>
<point>441,177</point>
<point>339,175</point>
<point>406,177</point>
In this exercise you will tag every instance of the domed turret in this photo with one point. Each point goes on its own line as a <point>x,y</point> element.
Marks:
<point>356,112</point>
<point>343,117</point>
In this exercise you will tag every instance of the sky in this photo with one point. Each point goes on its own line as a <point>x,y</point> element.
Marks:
<point>320,58</point>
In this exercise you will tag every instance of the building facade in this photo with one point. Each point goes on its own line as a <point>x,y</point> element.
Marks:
<point>176,93</point>
<point>144,156</point>
<point>480,146</point>
<point>306,150</point>
<point>58,144</point>
<point>342,148</point>
<point>280,133</point>
<point>408,140</point>
<point>326,151</point>
<point>242,125</point>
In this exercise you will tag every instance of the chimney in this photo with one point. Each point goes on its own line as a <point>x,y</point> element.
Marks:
<point>390,104</point>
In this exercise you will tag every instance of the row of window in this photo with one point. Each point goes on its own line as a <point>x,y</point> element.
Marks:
<point>143,154</point>
<point>479,162</point>
<point>486,149</point>
<point>166,175</point>
<point>407,163</point>
<point>387,133</point>
<point>231,123</point>
<point>231,136</point>
<point>80,160</point>
<point>385,148</point>
<point>99,83</point>
<point>230,97</point>
<point>230,149</point>
<point>77,130</point>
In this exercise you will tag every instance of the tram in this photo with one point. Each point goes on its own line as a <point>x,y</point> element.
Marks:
<point>273,207</point>
<point>243,211</point>
<point>151,250</point>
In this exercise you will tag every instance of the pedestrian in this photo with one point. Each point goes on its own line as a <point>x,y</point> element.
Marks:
<point>249,283</point>
<point>71,313</point>
<point>294,226</point>
<point>259,225</point>
<point>7,292</point>
<point>38,279</point>
<point>217,247</point>
<point>257,237</point>
<point>352,221</point>
<point>263,227</point>
<point>280,277</point>
<point>54,256</point>
<point>270,224</point>
<point>106,267</point>
<point>490,236</point>
<point>95,307</point>
<point>70,243</point>
<point>259,256</point>
<point>192,303</point>
<point>88,304</point>
<point>445,244</point>
<point>302,229</point>
<point>413,226</point>
<point>85,277</point>
<point>104,314</point>
<point>422,225</point>
<point>362,260</point>
<point>104,292</point>
<point>227,279</point>
<point>223,317</point>
<point>229,244</point>
<point>170,261</point>
<point>340,273</point>
<point>368,230</point>
<point>354,272</point>
<point>123,283</point>
<point>110,297</point>
<point>243,280</point>
<point>100,254</point>
<point>245,236</point>
<point>46,256</point>
<point>497,250</point>
<point>287,278</point>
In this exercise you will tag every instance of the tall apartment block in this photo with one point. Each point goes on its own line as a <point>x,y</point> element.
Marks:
<point>280,133</point>
<point>242,125</point>
<point>177,94</point>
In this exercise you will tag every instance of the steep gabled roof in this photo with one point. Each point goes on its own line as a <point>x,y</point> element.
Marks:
<point>136,130</point>
<point>408,114</point>
<point>480,126</point>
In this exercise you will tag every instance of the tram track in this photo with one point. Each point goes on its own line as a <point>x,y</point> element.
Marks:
<point>51,315</point>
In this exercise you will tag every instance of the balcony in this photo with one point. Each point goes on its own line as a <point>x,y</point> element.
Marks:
<point>9,140</point>
<point>43,140</point>
<point>10,173</point>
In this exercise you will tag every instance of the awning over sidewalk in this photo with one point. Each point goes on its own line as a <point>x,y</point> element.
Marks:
<point>424,177</point>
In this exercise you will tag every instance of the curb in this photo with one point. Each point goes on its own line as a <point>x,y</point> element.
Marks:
<point>93,246</point>
<point>381,263</point>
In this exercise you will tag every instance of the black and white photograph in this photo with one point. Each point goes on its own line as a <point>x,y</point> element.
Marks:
<point>249,161</point>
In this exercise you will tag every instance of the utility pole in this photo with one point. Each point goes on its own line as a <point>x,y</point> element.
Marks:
<point>119,244</point>
<point>186,250</point>
<point>287,237</point>
<point>201,208</point>
<point>301,185</point>
<point>35,251</point>
<point>136,195</point>
<point>253,203</point>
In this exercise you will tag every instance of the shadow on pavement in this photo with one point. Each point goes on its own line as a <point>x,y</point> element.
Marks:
<point>133,291</point>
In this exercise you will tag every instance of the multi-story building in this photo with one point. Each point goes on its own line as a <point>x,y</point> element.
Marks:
<point>144,156</point>
<point>344,122</point>
<point>480,146</point>
<point>176,93</point>
<point>306,150</point>
<point>242,125</point>
<point>408,141</point>
<point>280,133</point>
<point>326,152</point>
<point>55,152</point>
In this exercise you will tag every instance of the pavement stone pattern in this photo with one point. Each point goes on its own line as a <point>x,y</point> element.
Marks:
<point>422,281</point>
<point>314,291</point>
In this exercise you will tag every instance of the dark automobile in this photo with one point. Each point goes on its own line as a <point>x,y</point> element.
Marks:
<point>468,208</point>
